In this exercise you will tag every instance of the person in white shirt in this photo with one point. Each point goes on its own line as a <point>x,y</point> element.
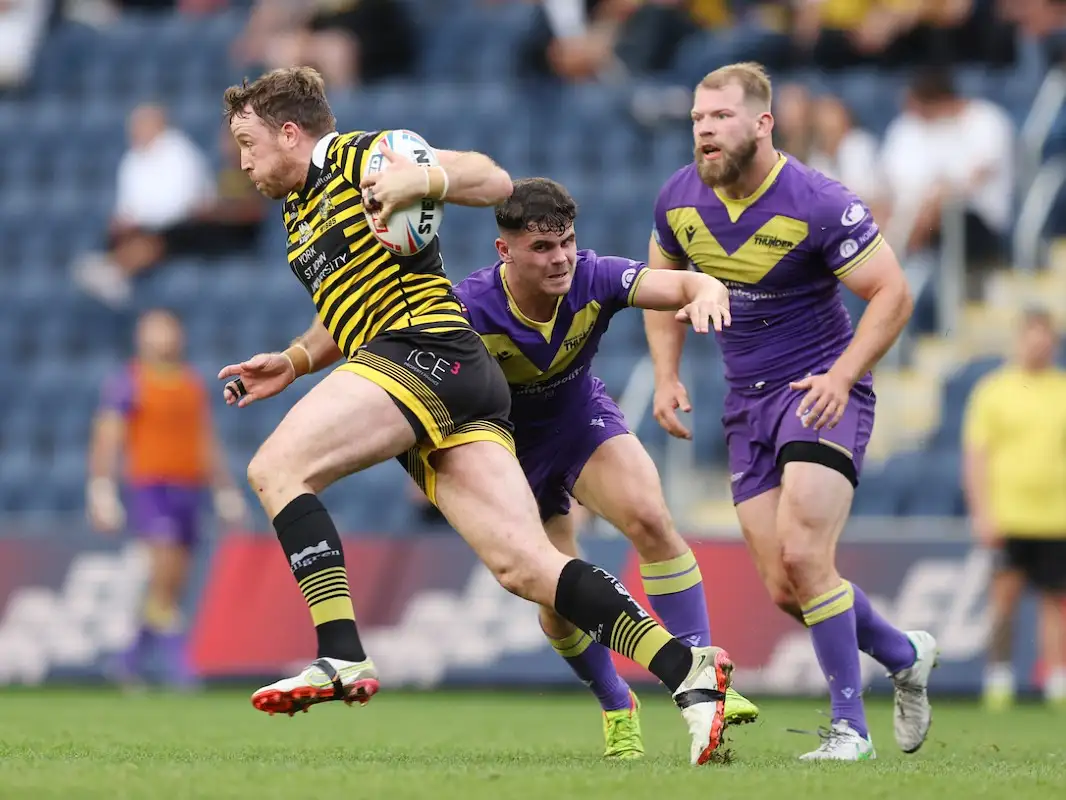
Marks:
<point>163,180</point>
<point>945,146</point>
<point>847,153</point>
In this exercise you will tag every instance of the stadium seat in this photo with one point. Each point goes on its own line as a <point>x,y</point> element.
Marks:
<point>66,133</point>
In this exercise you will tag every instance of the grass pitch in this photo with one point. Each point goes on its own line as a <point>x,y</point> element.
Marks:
<point>100,744</point>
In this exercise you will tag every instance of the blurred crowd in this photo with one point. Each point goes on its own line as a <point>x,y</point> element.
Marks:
<point>359,41</point>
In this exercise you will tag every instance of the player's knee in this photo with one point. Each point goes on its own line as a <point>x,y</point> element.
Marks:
<point>516,578</point>
<point>648,527</point>
<point>265,472</point>
<point>804,561</point>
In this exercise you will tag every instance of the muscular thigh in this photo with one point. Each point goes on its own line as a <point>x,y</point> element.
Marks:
<point>619,482</point>
<point>758,523</point>
<point>344,424</point>
<point>483,493</point>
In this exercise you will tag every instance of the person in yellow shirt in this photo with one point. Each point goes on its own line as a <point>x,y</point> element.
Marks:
<point>1014,441</point>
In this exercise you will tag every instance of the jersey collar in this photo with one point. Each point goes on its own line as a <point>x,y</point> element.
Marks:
<point>736,207</point>
<point>318,160</point>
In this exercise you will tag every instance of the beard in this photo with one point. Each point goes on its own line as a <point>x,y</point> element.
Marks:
<point>273,190</point>
<point>730,165</point>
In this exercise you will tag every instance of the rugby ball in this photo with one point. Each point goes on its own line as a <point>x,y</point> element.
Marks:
<point>408,230</point>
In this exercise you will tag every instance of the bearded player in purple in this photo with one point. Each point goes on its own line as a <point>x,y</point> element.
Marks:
<point>800,407</point>
<point>541,310</point>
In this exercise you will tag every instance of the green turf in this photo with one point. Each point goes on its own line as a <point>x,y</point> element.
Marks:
<point>95,743</point>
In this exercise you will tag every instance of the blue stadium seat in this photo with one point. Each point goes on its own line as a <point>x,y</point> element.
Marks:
<point>955,395</point>
<point>64,138</point>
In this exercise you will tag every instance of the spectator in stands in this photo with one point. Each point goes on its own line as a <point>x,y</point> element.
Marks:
<point>845,33</point>
<point>946,147</point>
<point>348,41</point>
<point>694,37</point>
<point>226,220</point>
<point>683,40</point>
<point>22,24</point>
<point>162,180</point>
<point>1014,440</point>
<point>793,123</point>
<point>847,153</point>
<point>575,40</point>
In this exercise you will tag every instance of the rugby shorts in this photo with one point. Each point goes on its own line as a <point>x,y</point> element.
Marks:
<point>448,387</point>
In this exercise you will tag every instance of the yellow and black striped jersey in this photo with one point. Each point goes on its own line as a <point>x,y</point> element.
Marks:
<point>359,288</point>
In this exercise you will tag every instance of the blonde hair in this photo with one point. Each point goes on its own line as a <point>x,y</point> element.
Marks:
<point>750,76</point>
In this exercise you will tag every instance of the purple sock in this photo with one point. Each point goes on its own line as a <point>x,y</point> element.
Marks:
<point>675,593</point>
<point>131,662</point>
<point>831,620</point>
<point>878,638</point>
<point>592,663</point>
<point>176,668</point>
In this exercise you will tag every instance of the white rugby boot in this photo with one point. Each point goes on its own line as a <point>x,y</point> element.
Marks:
<point>841,742</point>
<point>911,713</point>
<point>701,698</point>
<point>321,681</point>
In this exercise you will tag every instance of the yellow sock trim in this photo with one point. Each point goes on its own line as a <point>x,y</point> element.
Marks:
<point>671,577</point>
<point>829,605</point>
<point>639,640</point>
<point>333,609</point>
<point>573,645</point>
<point>651,642</point>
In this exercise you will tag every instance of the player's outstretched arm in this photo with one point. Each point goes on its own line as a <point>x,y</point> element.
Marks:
<point>266,374</point>
<point>697,298</point>
<point>883,285</point>
<point>469,179</point>
<point>666,338</point>
<point>465,179</point>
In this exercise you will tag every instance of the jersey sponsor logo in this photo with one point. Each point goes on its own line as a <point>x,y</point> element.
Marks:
<point>309,555</point>
<point>323,179</point>
<point>747,260</point>
<point>848,248</point>
<point>305,232</point>
<point>597,422</point>
<point>773,242</point>
<point>431,367</point>
<point>574,342</point>
<point>853,215</point>
<point>627,277</point>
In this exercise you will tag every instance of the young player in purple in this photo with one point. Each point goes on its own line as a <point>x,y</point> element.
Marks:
<point>154,429</point>
<point>541,311</point>
<point>800,407</point>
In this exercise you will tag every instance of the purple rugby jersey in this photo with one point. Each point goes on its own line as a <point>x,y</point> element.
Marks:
<point>547,364</point>
<point>561,413</point>
<point>781,252</point>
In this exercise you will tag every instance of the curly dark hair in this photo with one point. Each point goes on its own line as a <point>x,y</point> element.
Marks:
<point>537,205</point>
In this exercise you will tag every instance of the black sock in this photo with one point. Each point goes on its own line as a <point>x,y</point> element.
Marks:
<point>600,605</point>
<point>316,557</point>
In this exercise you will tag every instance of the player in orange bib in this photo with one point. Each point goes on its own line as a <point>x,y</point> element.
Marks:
<point>154,428</point>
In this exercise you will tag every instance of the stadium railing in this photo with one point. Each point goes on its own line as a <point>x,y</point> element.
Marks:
<point>1039,182</point>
